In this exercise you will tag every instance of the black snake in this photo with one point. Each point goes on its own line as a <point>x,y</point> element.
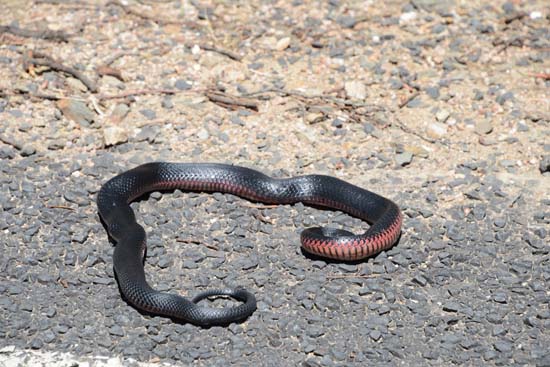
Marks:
<point>115,195</point>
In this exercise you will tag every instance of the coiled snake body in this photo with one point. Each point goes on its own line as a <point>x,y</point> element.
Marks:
<point>115,195</point>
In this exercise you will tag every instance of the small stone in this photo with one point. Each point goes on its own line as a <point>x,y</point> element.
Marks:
<point>338,122</point>
<point>396,84</point>
<point>438,28</point>
<point>119,113</point>
<point>544,165</point>
<point>420,280</point>
<point>508,7</point>
<point>355,89</point>
<point>499,297</point>
<point>255,65</point>
<point>522,127</point>
<point>408,16</point>
<point>164,262</point>
<point>182,84</point>
<point>478,96</point>
<point>415,102</point>
<point>530,321</point>
<point>114,135</point>
<point>500,222</point>
<point>416,151</point>
<point>487,141</point>
<point>451,307</point>
<point>433,92</point>
<point>116,330</point>
<point>148,113</point>
<point>403,159</point>
<point>16,113</point>
<point>76,111</point>
<point>436,130</point>
<point>282,44</point>
<point>237,120</point>
<point>503,346</point>
<point>313,117</point>
<point>76,85</point>
<point>483,127</point>
<point>442,115</point>
<point>203,134</point>
<point>27,150</point>
<point>347,21</point>
<point>167,103</point>
<point>505,97</point>
<point>368,128</point>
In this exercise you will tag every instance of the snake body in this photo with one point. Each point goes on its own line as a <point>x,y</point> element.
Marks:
<point>116,194</point>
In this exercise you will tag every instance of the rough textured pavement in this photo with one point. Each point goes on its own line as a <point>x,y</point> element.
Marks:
<point>441,106</point>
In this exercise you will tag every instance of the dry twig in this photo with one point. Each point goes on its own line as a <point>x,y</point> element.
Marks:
<point>232,55</point>
<point>331,99</point>
<point>544,76</point>
<point>228,101</point>
<point>38,95</point>
<point>406,129</point>
<point>347,276</point>
<point>408,99</point>
<point>37,58</point>
<point>46,34</point>
<point>197,242</point>
<point>59,207</point>
<point>108,70</point>
<point>133,93</point>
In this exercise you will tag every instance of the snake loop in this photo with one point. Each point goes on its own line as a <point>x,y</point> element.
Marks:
<point>115,195</point>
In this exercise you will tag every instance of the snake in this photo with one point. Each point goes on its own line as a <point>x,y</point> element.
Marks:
<point>114,198</point>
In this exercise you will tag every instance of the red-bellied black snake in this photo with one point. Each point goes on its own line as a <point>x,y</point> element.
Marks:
<point>115,195</point>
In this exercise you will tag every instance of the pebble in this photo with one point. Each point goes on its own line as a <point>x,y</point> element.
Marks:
<point>403,159</point>
<point>347,21</point>
<point>416,151</point>
<point>282,44</point>
<point>203,134</point>
<point>483,127</point>
<point>544,165</point>
<point>433,92</point>
<point>148,113</point>
<point>407,16</point>
<point>436,130</point>
<point>76,111</point>
<point>503,98</point>
<point>76,85</point>
<point>182,85</point>
<point>368,128</point>
<point>415,102</point>
<point>503,346</point>
<point>442,115</point>
<point>119,113</point>
<point>355,89</point>
<point>167,103</point>
<point>338,122</point>
<point>114,135</point>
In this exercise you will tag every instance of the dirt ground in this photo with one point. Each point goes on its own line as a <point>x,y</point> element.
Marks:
<point>435,104</point>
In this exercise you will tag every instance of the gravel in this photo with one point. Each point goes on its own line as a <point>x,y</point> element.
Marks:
<point>466,159</point>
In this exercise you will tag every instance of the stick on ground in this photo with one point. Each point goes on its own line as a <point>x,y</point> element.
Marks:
<point>36,58</point>
<point>228,101</point>
<point>46,34</point>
